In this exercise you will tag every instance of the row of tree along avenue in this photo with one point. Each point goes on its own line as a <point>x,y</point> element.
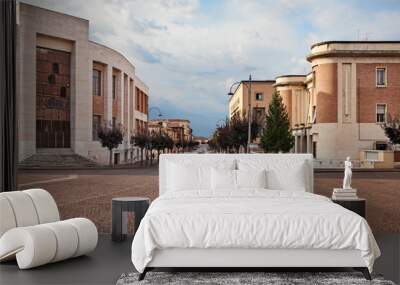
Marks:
<point>150,144</point>
<point>273,131</point>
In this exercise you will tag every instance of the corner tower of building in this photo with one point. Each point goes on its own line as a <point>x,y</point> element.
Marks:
<point>356,85</point>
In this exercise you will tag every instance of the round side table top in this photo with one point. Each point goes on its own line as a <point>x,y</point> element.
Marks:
<point>130,199</point>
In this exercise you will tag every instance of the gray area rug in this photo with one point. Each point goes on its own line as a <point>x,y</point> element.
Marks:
<point>228,278</point>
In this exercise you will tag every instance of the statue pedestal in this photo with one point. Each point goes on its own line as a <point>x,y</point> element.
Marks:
<point>344,194</point>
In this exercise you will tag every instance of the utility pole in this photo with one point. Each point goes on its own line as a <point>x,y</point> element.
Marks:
<point>249,117</point>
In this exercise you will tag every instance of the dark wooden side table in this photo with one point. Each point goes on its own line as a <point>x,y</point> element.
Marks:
<point>120,207</point>
<point>357,206</point>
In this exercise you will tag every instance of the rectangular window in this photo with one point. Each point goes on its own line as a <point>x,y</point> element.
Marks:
<point>314,79</point>
<point>258,114</point>
<point>56,68</point>
<point>114,86</point>
<point>381,113</point>
<point>137,99</point>
<point>381,77</point>
<point>96,82</point>
<point>95,127</point>
<point>259,96</point>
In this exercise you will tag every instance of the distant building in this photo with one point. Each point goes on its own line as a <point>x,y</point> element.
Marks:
<point>178,129</point>
<point>68,85</point>
<point>200,140</point>
<point>261,94</point>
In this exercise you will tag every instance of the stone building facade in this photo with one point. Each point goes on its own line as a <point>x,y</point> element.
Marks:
<point>68,85</point>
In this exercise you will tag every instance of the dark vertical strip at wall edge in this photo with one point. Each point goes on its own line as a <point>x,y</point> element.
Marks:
<point>8,100</point>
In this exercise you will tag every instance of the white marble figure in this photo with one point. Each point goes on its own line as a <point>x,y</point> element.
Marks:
<point>347,174</point>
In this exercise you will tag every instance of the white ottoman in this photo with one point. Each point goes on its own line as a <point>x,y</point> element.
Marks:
<point>32,243</point>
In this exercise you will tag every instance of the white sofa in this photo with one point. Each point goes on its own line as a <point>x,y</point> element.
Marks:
<point>31,230</point>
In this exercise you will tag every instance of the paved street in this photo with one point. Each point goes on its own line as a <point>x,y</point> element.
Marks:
<point>88,193</point>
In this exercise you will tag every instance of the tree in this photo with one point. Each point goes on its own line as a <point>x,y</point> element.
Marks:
<point>159,142</point>
<point>392,129</point>
<point>110,136</point>
<point>169,143</point>
<point>277,134</point>
<point>141,140</point>
<point>239,127</point>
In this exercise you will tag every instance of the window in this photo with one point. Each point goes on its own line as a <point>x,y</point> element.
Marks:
<point>63,92</point>
<point>258,114</point>
<point>96,82</point>
<point>381,77</point>
<point>314,79</point>
<point>114,122</point>
<point>95,127</point>
<point>114,86</point>
<point>372,155</point>
<point>381,145</point>
<point>56,68</point>
<point>381,113</point>
<point>259,96</point>
<point>51,79</point>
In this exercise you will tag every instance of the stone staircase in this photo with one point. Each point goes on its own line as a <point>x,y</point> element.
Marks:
<point>51,160</point>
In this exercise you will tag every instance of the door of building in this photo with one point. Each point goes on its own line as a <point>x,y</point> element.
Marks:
<point>53,98</point>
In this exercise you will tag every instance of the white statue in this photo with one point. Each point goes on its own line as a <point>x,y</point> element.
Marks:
<point>347,174</point>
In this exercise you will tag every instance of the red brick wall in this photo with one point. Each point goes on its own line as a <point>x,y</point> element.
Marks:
<point>116,106</point>
<point>126,100</point>
<point>50,104</point>
<point>326,92</point>
<point>98,101</point>
<point>131,105</point>
<point>53,98</point>
<point>369,95</point>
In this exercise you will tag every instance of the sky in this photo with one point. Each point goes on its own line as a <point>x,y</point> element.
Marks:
<point>189,52</point>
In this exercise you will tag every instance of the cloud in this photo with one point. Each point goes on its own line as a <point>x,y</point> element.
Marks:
<point>189,52</point>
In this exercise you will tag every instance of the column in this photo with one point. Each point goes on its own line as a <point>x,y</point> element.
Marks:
<point>301,144</point>
<point>309,143</point>
<point>296,143</point>
<point>108,94</point>
<point>122,93</point>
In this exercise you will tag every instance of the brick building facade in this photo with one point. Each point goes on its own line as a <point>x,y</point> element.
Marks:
<point>350,92</point>
<point>338,108</point>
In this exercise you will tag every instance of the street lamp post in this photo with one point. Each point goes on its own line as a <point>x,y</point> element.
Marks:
<point>159,115</point>
<point>249,111</point>
<point>249,117</point>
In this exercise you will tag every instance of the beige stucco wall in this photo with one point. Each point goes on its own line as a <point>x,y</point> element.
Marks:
<point>34,21</point>
<point>111,59</point>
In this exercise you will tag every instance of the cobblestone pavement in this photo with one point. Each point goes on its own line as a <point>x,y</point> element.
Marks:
<point>88,193</point>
